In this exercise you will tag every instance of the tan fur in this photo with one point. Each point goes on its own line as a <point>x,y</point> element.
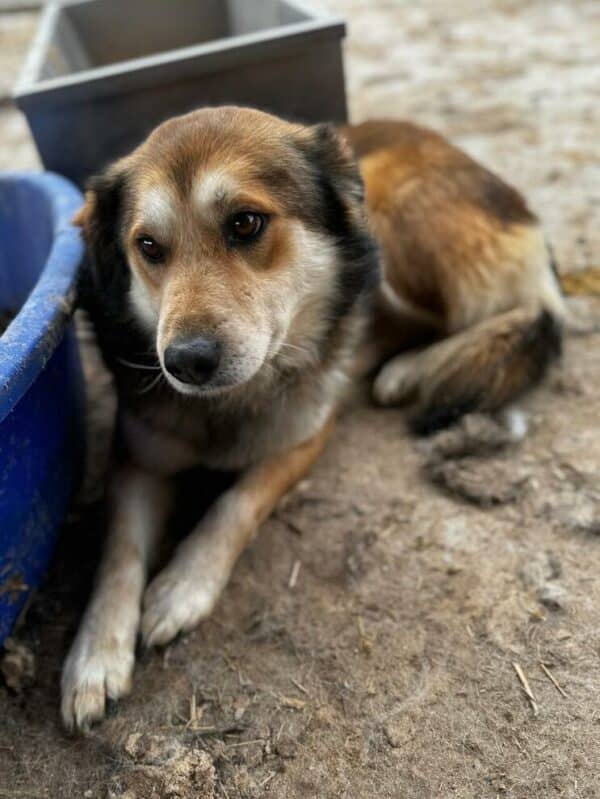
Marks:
<point>445,252</point>
<point>101,659</point>
<point>459,247</point>
<point>198,288</point>
<point>476,359</point>
<point>465,270</point>
<point>188,588</point>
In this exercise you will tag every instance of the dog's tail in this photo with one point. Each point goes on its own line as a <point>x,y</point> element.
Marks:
<point>485,367</point>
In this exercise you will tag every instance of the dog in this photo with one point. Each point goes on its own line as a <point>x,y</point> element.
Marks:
<point>244,272</point>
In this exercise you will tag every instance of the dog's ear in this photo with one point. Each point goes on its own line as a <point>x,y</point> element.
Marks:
<point>340,210</point>
<point>337,179</point>
<point>106,280</point>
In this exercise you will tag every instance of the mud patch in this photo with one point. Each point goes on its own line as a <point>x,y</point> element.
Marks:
<point>161,767</point>
<point>470,462</point>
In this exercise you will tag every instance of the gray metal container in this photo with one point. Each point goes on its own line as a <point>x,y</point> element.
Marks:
<point>102,73</point>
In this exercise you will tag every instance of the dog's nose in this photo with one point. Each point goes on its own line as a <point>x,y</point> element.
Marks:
<point>193,360</point>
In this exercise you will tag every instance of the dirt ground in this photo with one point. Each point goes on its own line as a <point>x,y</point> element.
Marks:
<point>374,639</point>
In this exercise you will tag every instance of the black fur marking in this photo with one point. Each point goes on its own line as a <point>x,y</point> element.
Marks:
<point>107,279</point>
<point>339,203</point>
<point>105,286</point>
<point>539,346</point>
<point>501,200</point>
<point>438,415</point>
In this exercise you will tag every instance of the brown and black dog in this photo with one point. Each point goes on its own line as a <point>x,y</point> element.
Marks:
<point>243,270</point>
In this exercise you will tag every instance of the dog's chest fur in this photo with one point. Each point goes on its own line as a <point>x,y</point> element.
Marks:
<point>167,432</point>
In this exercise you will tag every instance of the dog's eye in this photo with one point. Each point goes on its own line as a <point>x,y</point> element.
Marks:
<point>245,226</point>
<point>150,249</point>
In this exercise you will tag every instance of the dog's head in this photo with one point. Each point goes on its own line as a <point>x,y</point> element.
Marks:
<point>235,239</point>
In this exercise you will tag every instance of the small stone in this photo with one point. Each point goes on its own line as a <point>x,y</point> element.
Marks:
<point>17,665</point>
<point>552,596</point>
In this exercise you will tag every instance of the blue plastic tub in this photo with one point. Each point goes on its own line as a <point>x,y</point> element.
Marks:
<point>41,385</point>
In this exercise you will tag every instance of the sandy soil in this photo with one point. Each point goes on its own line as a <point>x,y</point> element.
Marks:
<point>430,573</point>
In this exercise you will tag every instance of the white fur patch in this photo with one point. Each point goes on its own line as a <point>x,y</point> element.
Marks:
<point>302,311</point>
<point>516,422</point>
<point>145,308</point>
<point>157,209</point>
<point>212,187</point>
<point>178,599</point>
<point>101,659</point>
<point>397,379</point>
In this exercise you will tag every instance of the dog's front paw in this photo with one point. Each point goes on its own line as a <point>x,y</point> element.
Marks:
<point>98,667</point>
<point>175,601</point>
<point>397,381</point>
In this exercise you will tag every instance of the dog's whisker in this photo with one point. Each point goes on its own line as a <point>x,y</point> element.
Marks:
<point>134,365</point>
<point>295,347</point>
<point>152,384</point>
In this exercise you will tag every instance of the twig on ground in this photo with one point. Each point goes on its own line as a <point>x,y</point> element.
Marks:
<point>526,687</point>
<point>247,743</point>
<point>271,775</point>
<point>292,526</point>
<point>294,574</point>
<point>553,680</point>
<point>196,714</point>
<point>299,686</point>
<point>292,702</point>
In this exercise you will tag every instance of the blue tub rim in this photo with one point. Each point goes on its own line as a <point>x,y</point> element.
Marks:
<point>33,335</point>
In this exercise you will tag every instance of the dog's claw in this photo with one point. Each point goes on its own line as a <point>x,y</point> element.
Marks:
<point>110,706</point>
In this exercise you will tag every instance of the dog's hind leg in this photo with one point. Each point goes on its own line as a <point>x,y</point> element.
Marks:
<point>500,330</point>
<point>100,663</point>
<point>188,588</point>
<point>399,379</point>
<point>483,368</point>
<point>461,246</point>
